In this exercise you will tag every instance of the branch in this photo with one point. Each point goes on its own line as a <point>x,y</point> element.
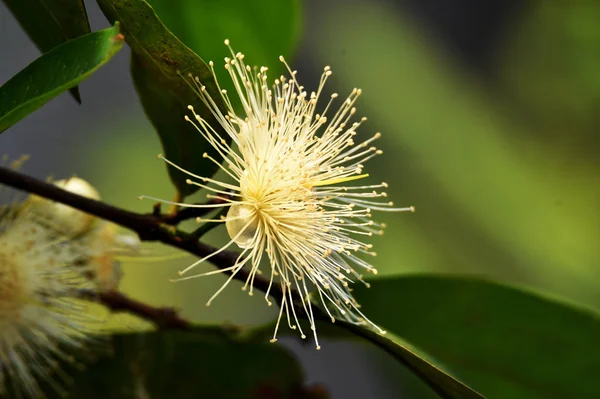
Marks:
<point>162,317</point>
<point>149,227</point>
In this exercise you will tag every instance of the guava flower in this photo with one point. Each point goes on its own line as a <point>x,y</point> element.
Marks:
<point>39,321</point>
<point>292,198</point>
<point>47,252</point>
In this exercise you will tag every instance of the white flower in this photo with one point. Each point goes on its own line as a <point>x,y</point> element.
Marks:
<point>39,321</point>
<point>289,198</point>
<point>47,252</point>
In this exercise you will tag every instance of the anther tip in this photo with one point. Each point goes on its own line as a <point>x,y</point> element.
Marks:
<point>226,42</point>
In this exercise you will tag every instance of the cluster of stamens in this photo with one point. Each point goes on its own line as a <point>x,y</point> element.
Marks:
<point>288,195</point>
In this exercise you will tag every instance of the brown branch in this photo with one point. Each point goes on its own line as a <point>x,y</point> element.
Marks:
<point>149,227</point>
<point>162,317</point>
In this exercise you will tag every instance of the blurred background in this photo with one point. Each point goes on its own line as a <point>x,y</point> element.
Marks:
<point>490,114</point>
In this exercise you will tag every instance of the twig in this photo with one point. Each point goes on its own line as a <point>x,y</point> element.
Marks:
<point>206,227</point>
<point>181,215</point>
<point>162,317</point>
<point>148,226</point>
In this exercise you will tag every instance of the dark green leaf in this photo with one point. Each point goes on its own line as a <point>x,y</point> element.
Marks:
<point>49,23</point>
<point>159,64</point>
<point>262,30</point>
<point>504,342</point>
<point>192,364</point>
<point>444,384</point>
<point>61,68</point>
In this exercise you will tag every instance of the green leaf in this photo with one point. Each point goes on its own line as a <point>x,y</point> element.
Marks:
<point>160,62</point>
<point>442,383</point>
<point>54,72</point>
<point>262,30</point>
<point>502,341</point>
<point>49,23</point>
<point>202,363</point>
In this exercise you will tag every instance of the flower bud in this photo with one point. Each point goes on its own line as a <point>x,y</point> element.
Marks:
<point>63,218</point>
<point>241,224</point>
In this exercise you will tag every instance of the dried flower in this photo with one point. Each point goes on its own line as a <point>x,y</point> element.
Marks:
<point>290,197</point>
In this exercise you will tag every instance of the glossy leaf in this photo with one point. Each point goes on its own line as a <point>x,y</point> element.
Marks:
<point>49,23</point>
<point>58,70</point>
<point>160,66</point>
<point>503,342</point>
<point>444,384</point>
<point>202,363</point>
<point>262,30</point>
